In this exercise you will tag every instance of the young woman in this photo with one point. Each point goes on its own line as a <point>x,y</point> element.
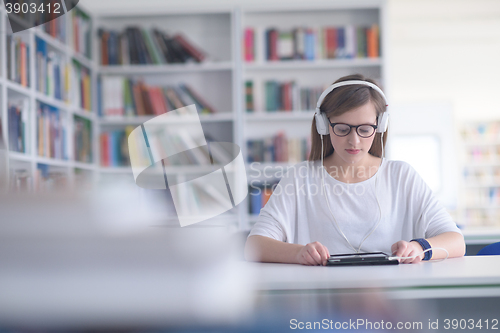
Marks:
<point>346,198</point>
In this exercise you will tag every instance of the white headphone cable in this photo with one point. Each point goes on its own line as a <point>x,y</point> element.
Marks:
<point>429,249</point>
<point>328,203</point>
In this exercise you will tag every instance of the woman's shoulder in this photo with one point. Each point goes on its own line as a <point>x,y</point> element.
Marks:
<point>398,168</point>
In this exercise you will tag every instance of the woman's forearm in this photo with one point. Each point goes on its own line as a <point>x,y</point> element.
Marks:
<point>265,249</point>
<point>453,242</point>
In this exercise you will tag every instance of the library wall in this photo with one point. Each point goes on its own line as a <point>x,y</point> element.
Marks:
<point>444,50</point>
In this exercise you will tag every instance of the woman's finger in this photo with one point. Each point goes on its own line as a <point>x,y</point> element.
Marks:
<point>315,255</point>
<point>323,252</point>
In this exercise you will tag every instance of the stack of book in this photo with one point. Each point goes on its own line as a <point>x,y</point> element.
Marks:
<point>51,72</point>
<point>114,148</point>
<point>136,46</point>
<point>278,148</point>
<point>126,97</point>
<point>18,125</point>
<point>81,27</point>
<point>259,196</point>
<point>282,96</point>
<point>81,89</point>
<point>18,57</point>
<point>83,140</point>
<point>51,134</point>
<point>314,43</point>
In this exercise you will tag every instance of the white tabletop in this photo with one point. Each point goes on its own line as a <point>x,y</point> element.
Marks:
<point>457,277</point>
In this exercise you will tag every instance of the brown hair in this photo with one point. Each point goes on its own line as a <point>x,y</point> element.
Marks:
<point>341,100</point>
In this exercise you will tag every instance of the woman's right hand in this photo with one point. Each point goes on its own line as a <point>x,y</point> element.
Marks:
<point>313,254</point>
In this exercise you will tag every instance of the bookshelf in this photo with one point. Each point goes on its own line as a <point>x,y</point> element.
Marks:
<point>301,70</point>
<point>220,79</point>
<point>480,195</point>
<point>215,80</point>
<point>39,83</point>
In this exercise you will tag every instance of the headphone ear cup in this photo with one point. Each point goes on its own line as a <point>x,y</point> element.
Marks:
<point>383,122</point>
<point>322,123</point>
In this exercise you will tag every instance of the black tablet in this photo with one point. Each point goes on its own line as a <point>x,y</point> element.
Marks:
<point>354,259</point>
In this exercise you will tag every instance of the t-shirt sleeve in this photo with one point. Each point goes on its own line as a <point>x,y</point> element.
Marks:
<point>430,216</point>
<point>277,215</point>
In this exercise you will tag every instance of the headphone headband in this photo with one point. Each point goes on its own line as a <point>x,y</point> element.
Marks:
<point>348,83</point>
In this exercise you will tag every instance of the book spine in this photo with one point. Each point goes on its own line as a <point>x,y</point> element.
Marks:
<point>249,44</point>
<point>249,106</point>
<point>195,52</point>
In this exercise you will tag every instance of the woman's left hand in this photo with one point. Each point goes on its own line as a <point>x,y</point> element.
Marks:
<point>407,249</point>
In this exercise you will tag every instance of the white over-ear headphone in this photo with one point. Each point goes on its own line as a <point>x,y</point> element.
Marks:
<point>322,123</point>
<point>322,126</point>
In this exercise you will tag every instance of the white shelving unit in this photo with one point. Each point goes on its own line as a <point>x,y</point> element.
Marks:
<point>216,79</point>
<point>220,79</point>
<point>480,195</point>
<point>28,162</point>
<point>260,124</point>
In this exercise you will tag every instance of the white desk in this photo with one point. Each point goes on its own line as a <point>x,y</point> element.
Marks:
<point>477,276</point>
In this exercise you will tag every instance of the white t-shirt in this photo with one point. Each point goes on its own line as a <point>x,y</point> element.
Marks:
<point>297,211</point>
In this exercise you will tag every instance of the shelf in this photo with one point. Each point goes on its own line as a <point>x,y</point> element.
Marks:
<point>51,101</point>
<point>81,165</point>
<point>84,113</point>
<point>54,42</point>
<point>313,64</point>
<point>52,161</point>
<point>278,115</point>
<point>20,156</point>
<point>164,69</point>
<point>82,59</point>
<point>18,88</point>
<point>223,116</point>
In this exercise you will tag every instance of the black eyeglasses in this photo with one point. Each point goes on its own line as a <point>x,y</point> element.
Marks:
<point>364,131</point>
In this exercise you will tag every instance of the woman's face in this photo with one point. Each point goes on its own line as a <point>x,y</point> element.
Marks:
<point>353,149</point>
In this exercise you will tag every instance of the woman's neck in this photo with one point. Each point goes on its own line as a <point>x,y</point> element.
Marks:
<point>351,173</point>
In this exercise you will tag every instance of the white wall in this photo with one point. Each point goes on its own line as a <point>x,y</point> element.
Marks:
<point>446,50</point>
